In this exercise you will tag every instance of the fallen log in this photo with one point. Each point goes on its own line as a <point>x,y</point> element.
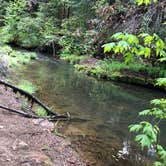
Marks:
<point>32,98</point>
<point>19,112</point>
<point>31,115</point>
<point>53,116</point>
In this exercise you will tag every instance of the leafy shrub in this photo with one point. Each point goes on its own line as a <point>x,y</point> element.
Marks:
<point>130,47</point>
<point>147,132</point>
<point>75,40</point>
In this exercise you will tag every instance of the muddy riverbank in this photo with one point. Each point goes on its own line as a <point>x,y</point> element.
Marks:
<point>28,142</point>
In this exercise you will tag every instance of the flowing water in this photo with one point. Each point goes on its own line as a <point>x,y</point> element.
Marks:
<point>104,140</point>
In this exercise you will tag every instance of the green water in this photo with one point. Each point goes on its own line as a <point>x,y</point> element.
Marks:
<point>111,107</point>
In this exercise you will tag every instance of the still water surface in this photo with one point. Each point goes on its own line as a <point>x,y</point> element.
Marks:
<point>111,107</point>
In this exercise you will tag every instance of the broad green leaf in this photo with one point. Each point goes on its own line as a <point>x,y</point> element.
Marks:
<point>148,40</point>
<point>149,131</point>
<point>118,36</point>
<point>135,127</point>
<point>108,47</point>
<point>162,59</point>
<point>144,140</point>
<point>145,112</point>
<point>161,81</point>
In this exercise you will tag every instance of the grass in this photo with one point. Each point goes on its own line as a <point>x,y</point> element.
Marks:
<point>14,57</point>
<point>27,86</point>
<point>73,59</point>
<point>41,112</point>
<point>114,70</point>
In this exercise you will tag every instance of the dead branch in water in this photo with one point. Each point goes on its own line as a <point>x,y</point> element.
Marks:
<point>53,116</point>
<point>18,112</point>
<point>32,98</point>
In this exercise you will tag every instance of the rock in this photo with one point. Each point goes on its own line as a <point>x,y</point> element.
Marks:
<point>44,123</point>
<point>47,125</point>
<point>1,127</point>
<point>37,121</point>
<point>19,144</point>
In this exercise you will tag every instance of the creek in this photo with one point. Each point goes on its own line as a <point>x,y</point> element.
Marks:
<point>104,140</point>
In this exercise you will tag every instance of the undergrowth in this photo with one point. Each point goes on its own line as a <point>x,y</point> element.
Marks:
<point>73,59</point>
<point>14,58</point>
<point>108,68</point>
<point>27,86</point>
<point>41,112</point>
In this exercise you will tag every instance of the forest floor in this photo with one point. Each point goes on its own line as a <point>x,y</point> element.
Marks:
<point>30,142</point>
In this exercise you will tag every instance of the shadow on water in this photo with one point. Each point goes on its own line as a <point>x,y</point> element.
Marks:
<point>104,140</point>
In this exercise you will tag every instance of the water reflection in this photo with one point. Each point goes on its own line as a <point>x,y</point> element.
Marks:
<point>111,108</point>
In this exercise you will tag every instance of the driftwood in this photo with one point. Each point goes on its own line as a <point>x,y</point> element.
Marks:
<point>52,116</point>
<point>18,112</point>
<point>33,100</point>
<point>31,115</point>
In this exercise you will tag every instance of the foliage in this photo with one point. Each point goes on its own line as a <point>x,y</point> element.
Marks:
<point>41,112</point>
<point>147,133</point>
<point>146,2</point>
<point>23,28</point>
<point>73,59</point>
<point>130,46</point>
<point>3,6</point>
<point>14,11</point>
<point>14,58</point>
<point>74,39</point>
<point>27,86</point>
<point>115,70</point>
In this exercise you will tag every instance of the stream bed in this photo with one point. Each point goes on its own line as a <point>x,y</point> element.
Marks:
<point>110,107</point>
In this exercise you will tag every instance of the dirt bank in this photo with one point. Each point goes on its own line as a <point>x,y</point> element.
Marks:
<point>29,142</point>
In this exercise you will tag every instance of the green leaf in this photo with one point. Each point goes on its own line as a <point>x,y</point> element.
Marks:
<point>135,127</point>
<point>118,36</point>
<point>140,2</point>
<point>162,59</point>
<point>143,140</point>
<point>148,40</point>
<point>161,81</point>
<point>147,52</point>
<point>145,112</point>
<point>157,163</point>
<point>108,47</point>
<point>142,35</point>
<point>123,44</point>
<point>149,131</point>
